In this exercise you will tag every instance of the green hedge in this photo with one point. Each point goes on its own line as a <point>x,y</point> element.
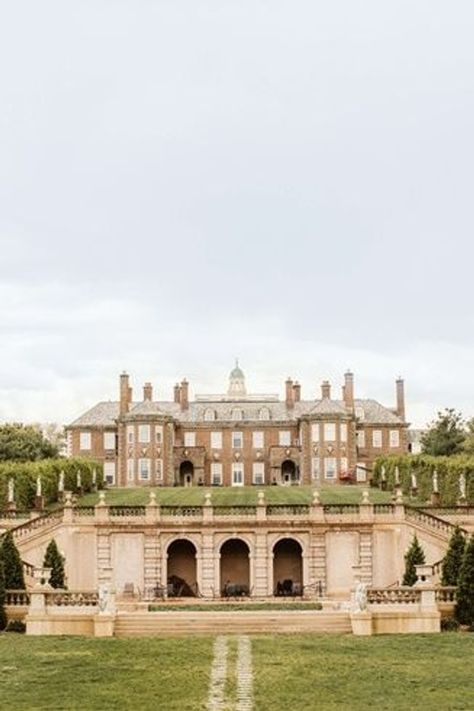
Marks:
<point>25,474</point>
<point>423,465</point>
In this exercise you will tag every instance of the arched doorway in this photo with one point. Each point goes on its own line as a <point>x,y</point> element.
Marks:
<point>290,473</point>
<point>181,574</point>
<point>235,568</point>
<point>287,568</point>
<point>186,473</point>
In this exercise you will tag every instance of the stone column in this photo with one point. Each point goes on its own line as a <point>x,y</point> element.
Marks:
<point>209,561</point>
<point>365,556</point>
<point>152,560</point>
<point>317,575</point>
<point>104,562</point>
<point>261,582</point>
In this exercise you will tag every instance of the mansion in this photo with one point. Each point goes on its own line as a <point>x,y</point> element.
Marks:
<point>237,438</point>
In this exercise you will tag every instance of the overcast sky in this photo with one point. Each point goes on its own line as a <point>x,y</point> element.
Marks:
<point>183,182</point>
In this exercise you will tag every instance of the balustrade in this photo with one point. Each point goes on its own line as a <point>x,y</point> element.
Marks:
<point>17,598</point>
<point>127,511</point>
<point>394,596</point>
<point>288,510</point>
<point>187,511</point>
<point>72,598</point>
<point>235,510</point>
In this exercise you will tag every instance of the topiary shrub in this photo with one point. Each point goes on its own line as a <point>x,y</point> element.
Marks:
<point>465,593</point>
<point>12,564</point>
<point>3,614</point>
<point>413,557</point>
<point>54,560</point>
<point>452,561</point>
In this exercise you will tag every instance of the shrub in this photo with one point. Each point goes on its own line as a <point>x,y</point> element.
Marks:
<point>3,614</point>
<point>452,562</point>
<point>449,624</point>
<point>413,557</point>
<point>12,564</point>
<point>16,626</point>
<point>465,594</point>
<point>54,560</point>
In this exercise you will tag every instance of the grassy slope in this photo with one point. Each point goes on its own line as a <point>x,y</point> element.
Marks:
<point>232,496</point>
<point>354,673</point>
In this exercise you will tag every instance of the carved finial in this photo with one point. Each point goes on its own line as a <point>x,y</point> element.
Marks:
<point>399,497</point>
<point>101,498</point>
<point>152,501</point>
<point>261,498</point>
<point>316,498</point>
<point>207,499</point>
<point>365,497</point>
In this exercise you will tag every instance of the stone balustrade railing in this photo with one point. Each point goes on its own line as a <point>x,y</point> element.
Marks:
<point>394,596</point>
<point>446,594</point>
<point>186,511</point>
<point>427,519</point>
<point>341,509</point>
<point>71,598</point>
<point>17,598</point>
<point>127,511</point>
<point>234,510</point>
<point>34,524</point>
<point>288,510</point>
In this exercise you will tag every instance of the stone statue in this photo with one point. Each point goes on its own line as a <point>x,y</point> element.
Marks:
<point>383,475</point>
<point>38,486</point>
<point>61,481</point>
<point>435,482</point>
<point>397,476</point>
<point>360,597</point>
<point>413,480</point>
<point>11,491</point>
<point>462,486</point>
<point>104,597</point>
<point>78,480</point>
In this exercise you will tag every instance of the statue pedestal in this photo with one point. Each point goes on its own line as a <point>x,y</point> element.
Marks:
<point>361,623</point>
<point>104,625</point>
<point>435,498</point>
<point>39,503</point>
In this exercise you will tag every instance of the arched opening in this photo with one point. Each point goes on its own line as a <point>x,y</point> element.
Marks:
<point>290,473</point>
<point>182,578</point>
<point>235,568</point>
<point>186,473</point>
<point>287,568</point>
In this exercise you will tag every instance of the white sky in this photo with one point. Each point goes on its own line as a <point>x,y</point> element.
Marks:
<point>183,182</point>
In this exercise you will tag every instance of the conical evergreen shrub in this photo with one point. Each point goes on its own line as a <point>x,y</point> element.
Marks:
<point>3,614</point>
<point>54,560</point>
<point>465,594</point>
<point>451,566</point>
<point>12,564</point>
<point>414,556</point>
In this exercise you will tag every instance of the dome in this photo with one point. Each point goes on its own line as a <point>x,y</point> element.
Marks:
<point>237,373</point>
<point>237,382</point>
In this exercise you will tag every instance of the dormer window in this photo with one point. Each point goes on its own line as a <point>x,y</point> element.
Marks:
<point>264,414</point>
<point>209,415</point>
<point>237,414</point>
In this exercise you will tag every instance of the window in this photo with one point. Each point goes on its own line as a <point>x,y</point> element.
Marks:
<point>237,414</point>
<point>237,474</point>
<point>343,432</point>
<point>189,439</point>
<point>394,438</point>
<point>216,474</point>
<point>216,440</point>
<point>85,440</point>
<point>130,470</point>
<point>361,473</point>
<point>237,440</point>
<point>264,414</point>
<point>315,432</point>
<point>343,465</point>
<point>360,438</point>
<point>257,440</point>
<point>258,473</point>
<point>330,467</point>
<point>109,473</point>
<point>144,469</point>
<point>315,470</point>
<point>109,440</point>
<point>144,434</point>
<point>159,435</point>
<point>284,439</point>
<point>130,434</point>
<point>159,470</point>
<point>209,415</point>
<point>377,438</point>
<point>329,431</point>
<point>359,413</point>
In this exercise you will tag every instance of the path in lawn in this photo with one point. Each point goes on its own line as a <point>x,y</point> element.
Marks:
<point>346,673</point>
<point>230,685</point>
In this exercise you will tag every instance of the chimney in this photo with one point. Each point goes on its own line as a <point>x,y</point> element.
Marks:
<point>148,392</point>
<point>326,389</point>
<point>184,394</point>
<point>348,390</point>
<point>289,393</point>
<point>125,393</point>
<point>177,393</point>
<point>400,384</point>
<point>296,392</point>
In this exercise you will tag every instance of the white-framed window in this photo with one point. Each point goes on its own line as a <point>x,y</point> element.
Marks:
<point>329,431</point>
<point>330,467</point>
<point>85,441</point>
<point>237,440</point>
<point>343,465</point>
<point>144,469</point>
<point>360,436</point>
<point>216,440</point>
<point>237,474</point>
<point>109,441</point>
<point>315,432</point>
<point>394,438</point>
<point>264,413</point>
<point>258,473</point>
<point>376,438</point>
<point>130,434</point>
<point>159,434</point>
<point>130,470</point>
<point>237,414</point>
<point>257,440</point>
<point>343,431</point>
<point>189,439</point>
<point>216,473</point>
<point>284,438</point>
<point>109,473</point>
<point>144,434</point>
<point>159,470</point>
<point>361,473</point>
<point>209,415</point>
<point>315,469</point>
<point>359,413</point>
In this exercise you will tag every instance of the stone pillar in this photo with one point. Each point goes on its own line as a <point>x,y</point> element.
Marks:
<point>209,561</point>
<point>207,510</point>
<point>366,509</point>
<point>152,510</point>
<point>68,510</point>
<point>317,558</point>
<point>104,563</point>
<point>316,510</point>
<point>151,560</point>
<point>101,510</point>
<point>261,507</point>
<point>365,556</point>
<point>261,582</point>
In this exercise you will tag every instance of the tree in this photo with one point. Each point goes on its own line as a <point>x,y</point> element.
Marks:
<point>12,564</point>
<point>414,556</point>
<point>452,562</point>
<point>465,593</point>
<point>24,443</point>
<point>445,435</point>
<point>54,560</point>
<point>468,445</point>
<point>3,614</point>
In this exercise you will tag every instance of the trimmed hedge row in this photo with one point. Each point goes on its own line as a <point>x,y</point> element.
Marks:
<point>25,474</point>
<point>449,470</point>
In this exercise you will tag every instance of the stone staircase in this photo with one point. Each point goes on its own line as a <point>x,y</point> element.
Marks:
<point>434,525</point>
<point>170,624</point>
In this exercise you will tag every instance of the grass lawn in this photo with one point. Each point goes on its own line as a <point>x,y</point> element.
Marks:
<point>291,672</point>
<point>234,496</point>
